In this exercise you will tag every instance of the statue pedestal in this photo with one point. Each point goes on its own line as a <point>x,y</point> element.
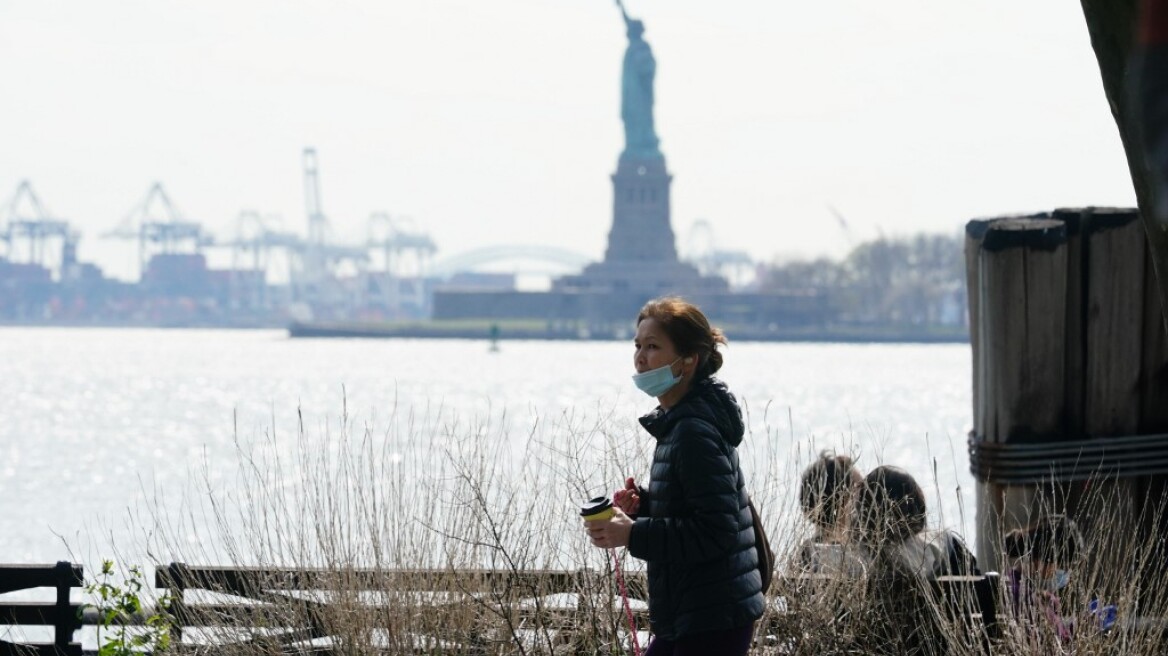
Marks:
<point>641,230</point>
<point>641,258</point>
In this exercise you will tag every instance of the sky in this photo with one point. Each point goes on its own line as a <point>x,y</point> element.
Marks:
<point>497,122</point>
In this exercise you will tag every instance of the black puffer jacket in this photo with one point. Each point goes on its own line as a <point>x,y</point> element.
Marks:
<point>694,525</point>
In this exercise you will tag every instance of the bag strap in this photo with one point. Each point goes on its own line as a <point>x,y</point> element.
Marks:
<point>766,555</point>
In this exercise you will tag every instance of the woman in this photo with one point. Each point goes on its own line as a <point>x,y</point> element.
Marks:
<point>692,524</point>
<point>827,490</point>
<point>902,613</point>
<point>1045,554</point>
<point>891,517</point>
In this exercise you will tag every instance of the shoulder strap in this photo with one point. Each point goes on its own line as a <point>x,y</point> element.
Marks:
<point>766,556</point>
<point>961,559</point>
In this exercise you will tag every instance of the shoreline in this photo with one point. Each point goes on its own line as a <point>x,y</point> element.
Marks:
<point>503,331</point>
<point>513,330</point>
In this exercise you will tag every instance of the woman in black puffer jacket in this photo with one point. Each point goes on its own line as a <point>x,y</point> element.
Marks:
<point>692,523</point>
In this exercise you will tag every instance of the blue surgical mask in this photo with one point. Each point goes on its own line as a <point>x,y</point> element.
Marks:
<point>656,382</point>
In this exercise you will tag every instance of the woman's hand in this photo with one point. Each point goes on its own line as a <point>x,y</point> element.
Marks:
<point>628,499</point>
<point>612,532</point>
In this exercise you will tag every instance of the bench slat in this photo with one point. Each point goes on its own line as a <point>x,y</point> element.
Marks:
<point>33,613</point>
<point>38,649</point>
<point>23,577</point>
<point>250,578</point>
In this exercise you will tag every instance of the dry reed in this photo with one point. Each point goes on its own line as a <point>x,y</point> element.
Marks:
<point>443,537</point>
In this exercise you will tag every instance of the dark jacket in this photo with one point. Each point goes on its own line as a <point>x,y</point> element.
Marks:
<point>694,527</point>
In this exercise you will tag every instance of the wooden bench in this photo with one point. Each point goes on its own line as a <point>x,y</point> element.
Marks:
<point>293,610</point>
<point>974,600</point>
<point>804,599</point>
<point>62,614</point>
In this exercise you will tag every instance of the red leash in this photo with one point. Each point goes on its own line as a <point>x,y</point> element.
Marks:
<point>624,592</point>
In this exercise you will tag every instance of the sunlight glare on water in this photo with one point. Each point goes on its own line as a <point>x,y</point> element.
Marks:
<point>96,418</point>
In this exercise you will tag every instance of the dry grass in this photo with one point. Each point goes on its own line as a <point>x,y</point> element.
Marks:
<point>890,611</point>
<point>445,499</point>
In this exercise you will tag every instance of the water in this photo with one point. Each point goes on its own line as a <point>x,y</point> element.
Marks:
<point>94,420</point>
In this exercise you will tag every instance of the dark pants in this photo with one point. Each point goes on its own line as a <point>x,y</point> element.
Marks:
<point>733,642</point>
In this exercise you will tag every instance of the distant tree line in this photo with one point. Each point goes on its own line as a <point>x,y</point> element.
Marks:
<point>916,281</point>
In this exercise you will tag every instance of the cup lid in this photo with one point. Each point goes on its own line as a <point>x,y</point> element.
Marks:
<point>595,505</point>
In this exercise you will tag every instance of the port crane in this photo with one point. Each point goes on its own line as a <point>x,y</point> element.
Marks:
<point>255,237</point>
<point>405,255</point>
<point>703,252</point>
<point>320,253</point>
<point>159,227</point>
<point>318,226</point>
<point>251,255</point>
<point>26,222</point>
<point>399,244</point>
<point>313,275</point>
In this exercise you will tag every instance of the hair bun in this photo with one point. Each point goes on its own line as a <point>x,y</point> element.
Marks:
<point>715,360</point>
<point>717,337</point>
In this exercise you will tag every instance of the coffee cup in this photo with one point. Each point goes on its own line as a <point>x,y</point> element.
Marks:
<point>597,509</point>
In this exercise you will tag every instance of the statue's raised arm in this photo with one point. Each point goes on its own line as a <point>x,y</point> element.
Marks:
<point>623,12</point>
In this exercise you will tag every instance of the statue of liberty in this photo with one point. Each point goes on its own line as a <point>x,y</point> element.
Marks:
<point>637,93</point>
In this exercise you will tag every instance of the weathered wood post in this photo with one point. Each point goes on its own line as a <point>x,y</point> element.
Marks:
<point>1154,408</point>
<point>1113,259</point>
<point>1019,265</point>
<point>1070,372</point>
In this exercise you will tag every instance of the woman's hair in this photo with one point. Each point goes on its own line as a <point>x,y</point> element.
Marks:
<point>1052,539</point>
<point>689,330</point>
<point>827,486</point>
<point>890,506</point>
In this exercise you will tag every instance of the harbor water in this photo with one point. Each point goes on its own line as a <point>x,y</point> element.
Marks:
<point>98,423</point>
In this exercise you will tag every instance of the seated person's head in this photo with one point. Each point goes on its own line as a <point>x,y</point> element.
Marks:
<point>827,489</point>
<point>890,506</point>
<point>1048,547</point>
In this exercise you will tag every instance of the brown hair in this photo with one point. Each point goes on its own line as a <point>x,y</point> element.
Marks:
<point>689,330</point>
<point>827,486</point>
<point>891,505</point>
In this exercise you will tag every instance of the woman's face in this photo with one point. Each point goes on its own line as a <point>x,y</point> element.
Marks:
<point>653,348</point>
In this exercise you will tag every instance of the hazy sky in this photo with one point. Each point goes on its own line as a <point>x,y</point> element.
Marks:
<point>497,121</point>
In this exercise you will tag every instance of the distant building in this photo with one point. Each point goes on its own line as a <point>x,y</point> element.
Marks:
<point>24,290</point>
<point>464,281</point>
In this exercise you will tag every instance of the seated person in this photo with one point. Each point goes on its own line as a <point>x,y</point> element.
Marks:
<point>1044,554</point>
<point>902,608</point>
<point>892,514</point>
<point>890,520</point>
<point>826,491</point>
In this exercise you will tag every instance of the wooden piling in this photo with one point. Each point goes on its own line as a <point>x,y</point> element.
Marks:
<point>1114,256</point>
<point>1069,351</point>
<point>1021,262</point>
<point>1114,261</point>
<point>1153,490</point>
<point>1075,354</point>
<point>988,500</point>
<point>974,234</point>
<point>1154,368</point>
